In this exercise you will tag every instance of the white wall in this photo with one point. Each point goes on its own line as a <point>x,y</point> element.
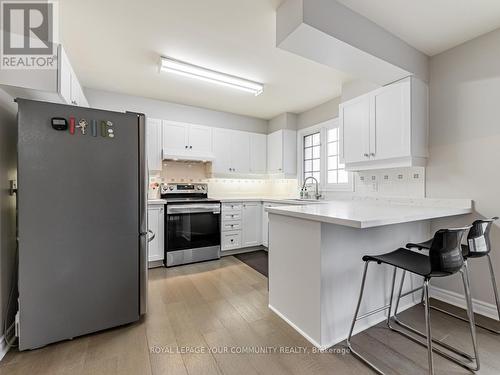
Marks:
<point>173,111</point>
<point>465,141</point>
<point>321,113</point>
<point>284,121</point>
<point>356,88</point>
<point>8,141</point>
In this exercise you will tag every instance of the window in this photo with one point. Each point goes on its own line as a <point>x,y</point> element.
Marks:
<point>319,149</point>
<point>336,172</point>
<point>312,156</point>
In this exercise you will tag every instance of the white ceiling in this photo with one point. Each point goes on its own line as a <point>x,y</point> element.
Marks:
<point>115,45</point>
<point>431,26</point>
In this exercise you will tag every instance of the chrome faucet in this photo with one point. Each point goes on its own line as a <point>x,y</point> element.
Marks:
<point>317,195</point>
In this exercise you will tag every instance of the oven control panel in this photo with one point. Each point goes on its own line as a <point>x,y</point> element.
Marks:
<point>173,188</point>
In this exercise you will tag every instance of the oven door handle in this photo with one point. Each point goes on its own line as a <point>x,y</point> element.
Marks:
<point>192,209</point>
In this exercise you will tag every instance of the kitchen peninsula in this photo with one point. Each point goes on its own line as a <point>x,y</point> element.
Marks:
<point>315,261</point>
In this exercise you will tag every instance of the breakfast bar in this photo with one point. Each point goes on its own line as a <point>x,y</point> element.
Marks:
<point>315,262</point>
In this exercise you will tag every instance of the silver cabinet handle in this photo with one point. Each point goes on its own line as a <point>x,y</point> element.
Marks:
<point>153,235</point>
<point>185,146</point>
<point>190,147</point>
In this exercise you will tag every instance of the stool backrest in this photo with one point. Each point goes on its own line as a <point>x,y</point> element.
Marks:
<point>445,253</point>
<point>478,238</point>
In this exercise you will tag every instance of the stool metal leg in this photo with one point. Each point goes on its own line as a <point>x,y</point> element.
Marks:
<point>428,326</point>
<point>355,319</point>
<point>421,334</point>
<point>441,344</point>
<point>470,312</point>
<point>497,300</point>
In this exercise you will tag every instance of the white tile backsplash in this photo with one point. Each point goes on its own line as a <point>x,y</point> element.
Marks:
<point>396,182</point>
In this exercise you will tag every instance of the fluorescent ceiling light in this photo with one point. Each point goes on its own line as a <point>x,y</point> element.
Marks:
<point>189,70</point>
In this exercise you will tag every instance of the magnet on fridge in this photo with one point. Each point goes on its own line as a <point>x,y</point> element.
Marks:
<point>104,133</point>
<point>71,125</point>
<point>82,125</point>
<point>94,128</point>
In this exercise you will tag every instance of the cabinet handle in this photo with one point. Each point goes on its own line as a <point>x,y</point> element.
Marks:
<point>190,147</point>
<point>372,154</point>
<point>185,146</point>
<point>366,155</point>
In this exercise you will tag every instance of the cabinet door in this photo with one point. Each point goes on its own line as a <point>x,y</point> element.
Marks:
<point>252,224</point>
<point>64,76</point>
<point>355,124</point>
<point>222,151</point>
<point>240,152</point>
<point>200,140</point>
<point>390,127</point>
<point>153,144</point>
<point>156,225</point>
<point>275,152</point>
<point>265,225</point>
<point>175,138</point>
<point>258,153</point>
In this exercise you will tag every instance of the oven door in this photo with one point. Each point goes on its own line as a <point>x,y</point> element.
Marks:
<point>191,226</point>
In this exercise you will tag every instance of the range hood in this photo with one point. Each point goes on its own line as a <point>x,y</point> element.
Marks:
<point>189,157</point>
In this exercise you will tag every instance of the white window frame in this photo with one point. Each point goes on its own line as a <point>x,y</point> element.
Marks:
<point>322,127</point>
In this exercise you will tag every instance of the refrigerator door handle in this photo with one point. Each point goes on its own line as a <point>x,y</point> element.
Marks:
<point>153,235</point>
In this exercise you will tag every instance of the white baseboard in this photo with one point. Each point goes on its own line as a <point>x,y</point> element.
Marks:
<point>357,329</point>
<point>480,307</point>
<point>4,348</point>
<point>302,333</point>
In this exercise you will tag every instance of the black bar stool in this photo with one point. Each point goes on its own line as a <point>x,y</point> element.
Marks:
<point>478,246</point>
<point>445,259</point>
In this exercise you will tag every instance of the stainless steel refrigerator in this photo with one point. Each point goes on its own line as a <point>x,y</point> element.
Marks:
<point>81,221</point>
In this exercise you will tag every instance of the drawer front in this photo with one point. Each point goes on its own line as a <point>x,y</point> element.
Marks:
<point>231,225</point>
<point>231,240</point>
<point>231,216</point>
<point>231,207</point>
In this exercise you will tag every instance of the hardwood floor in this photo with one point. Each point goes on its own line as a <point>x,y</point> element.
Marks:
<point>198,311</point>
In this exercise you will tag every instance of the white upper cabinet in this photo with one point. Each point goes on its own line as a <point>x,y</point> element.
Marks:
<point>282,152</point>
<point>391,122</point>
<point>68,85</point>
<point>175,138</point>
<point>58,85</point>
<point>356,145</point>
<point>222,151</point>
<point>154,144</point>
<point>200,140</point>
<point>258,153</point>
<point>240,152</point>
<point>231,151</point>
<point>386,128</point>
<point>188,141</point>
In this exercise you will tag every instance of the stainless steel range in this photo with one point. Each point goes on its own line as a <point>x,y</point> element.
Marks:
<point>192,224</point>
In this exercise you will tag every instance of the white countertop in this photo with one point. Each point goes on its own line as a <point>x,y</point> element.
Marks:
<point>157,201</point>
<point>366,214</point>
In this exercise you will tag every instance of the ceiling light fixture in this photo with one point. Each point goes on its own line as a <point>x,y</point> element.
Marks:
<point>168,64</point>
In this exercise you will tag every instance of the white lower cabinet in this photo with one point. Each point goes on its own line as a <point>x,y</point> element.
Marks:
<point>156,220</point>
<point>251,224</point>
<point>241,225</point>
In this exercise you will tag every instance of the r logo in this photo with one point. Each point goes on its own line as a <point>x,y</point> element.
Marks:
<point>27,28</point>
